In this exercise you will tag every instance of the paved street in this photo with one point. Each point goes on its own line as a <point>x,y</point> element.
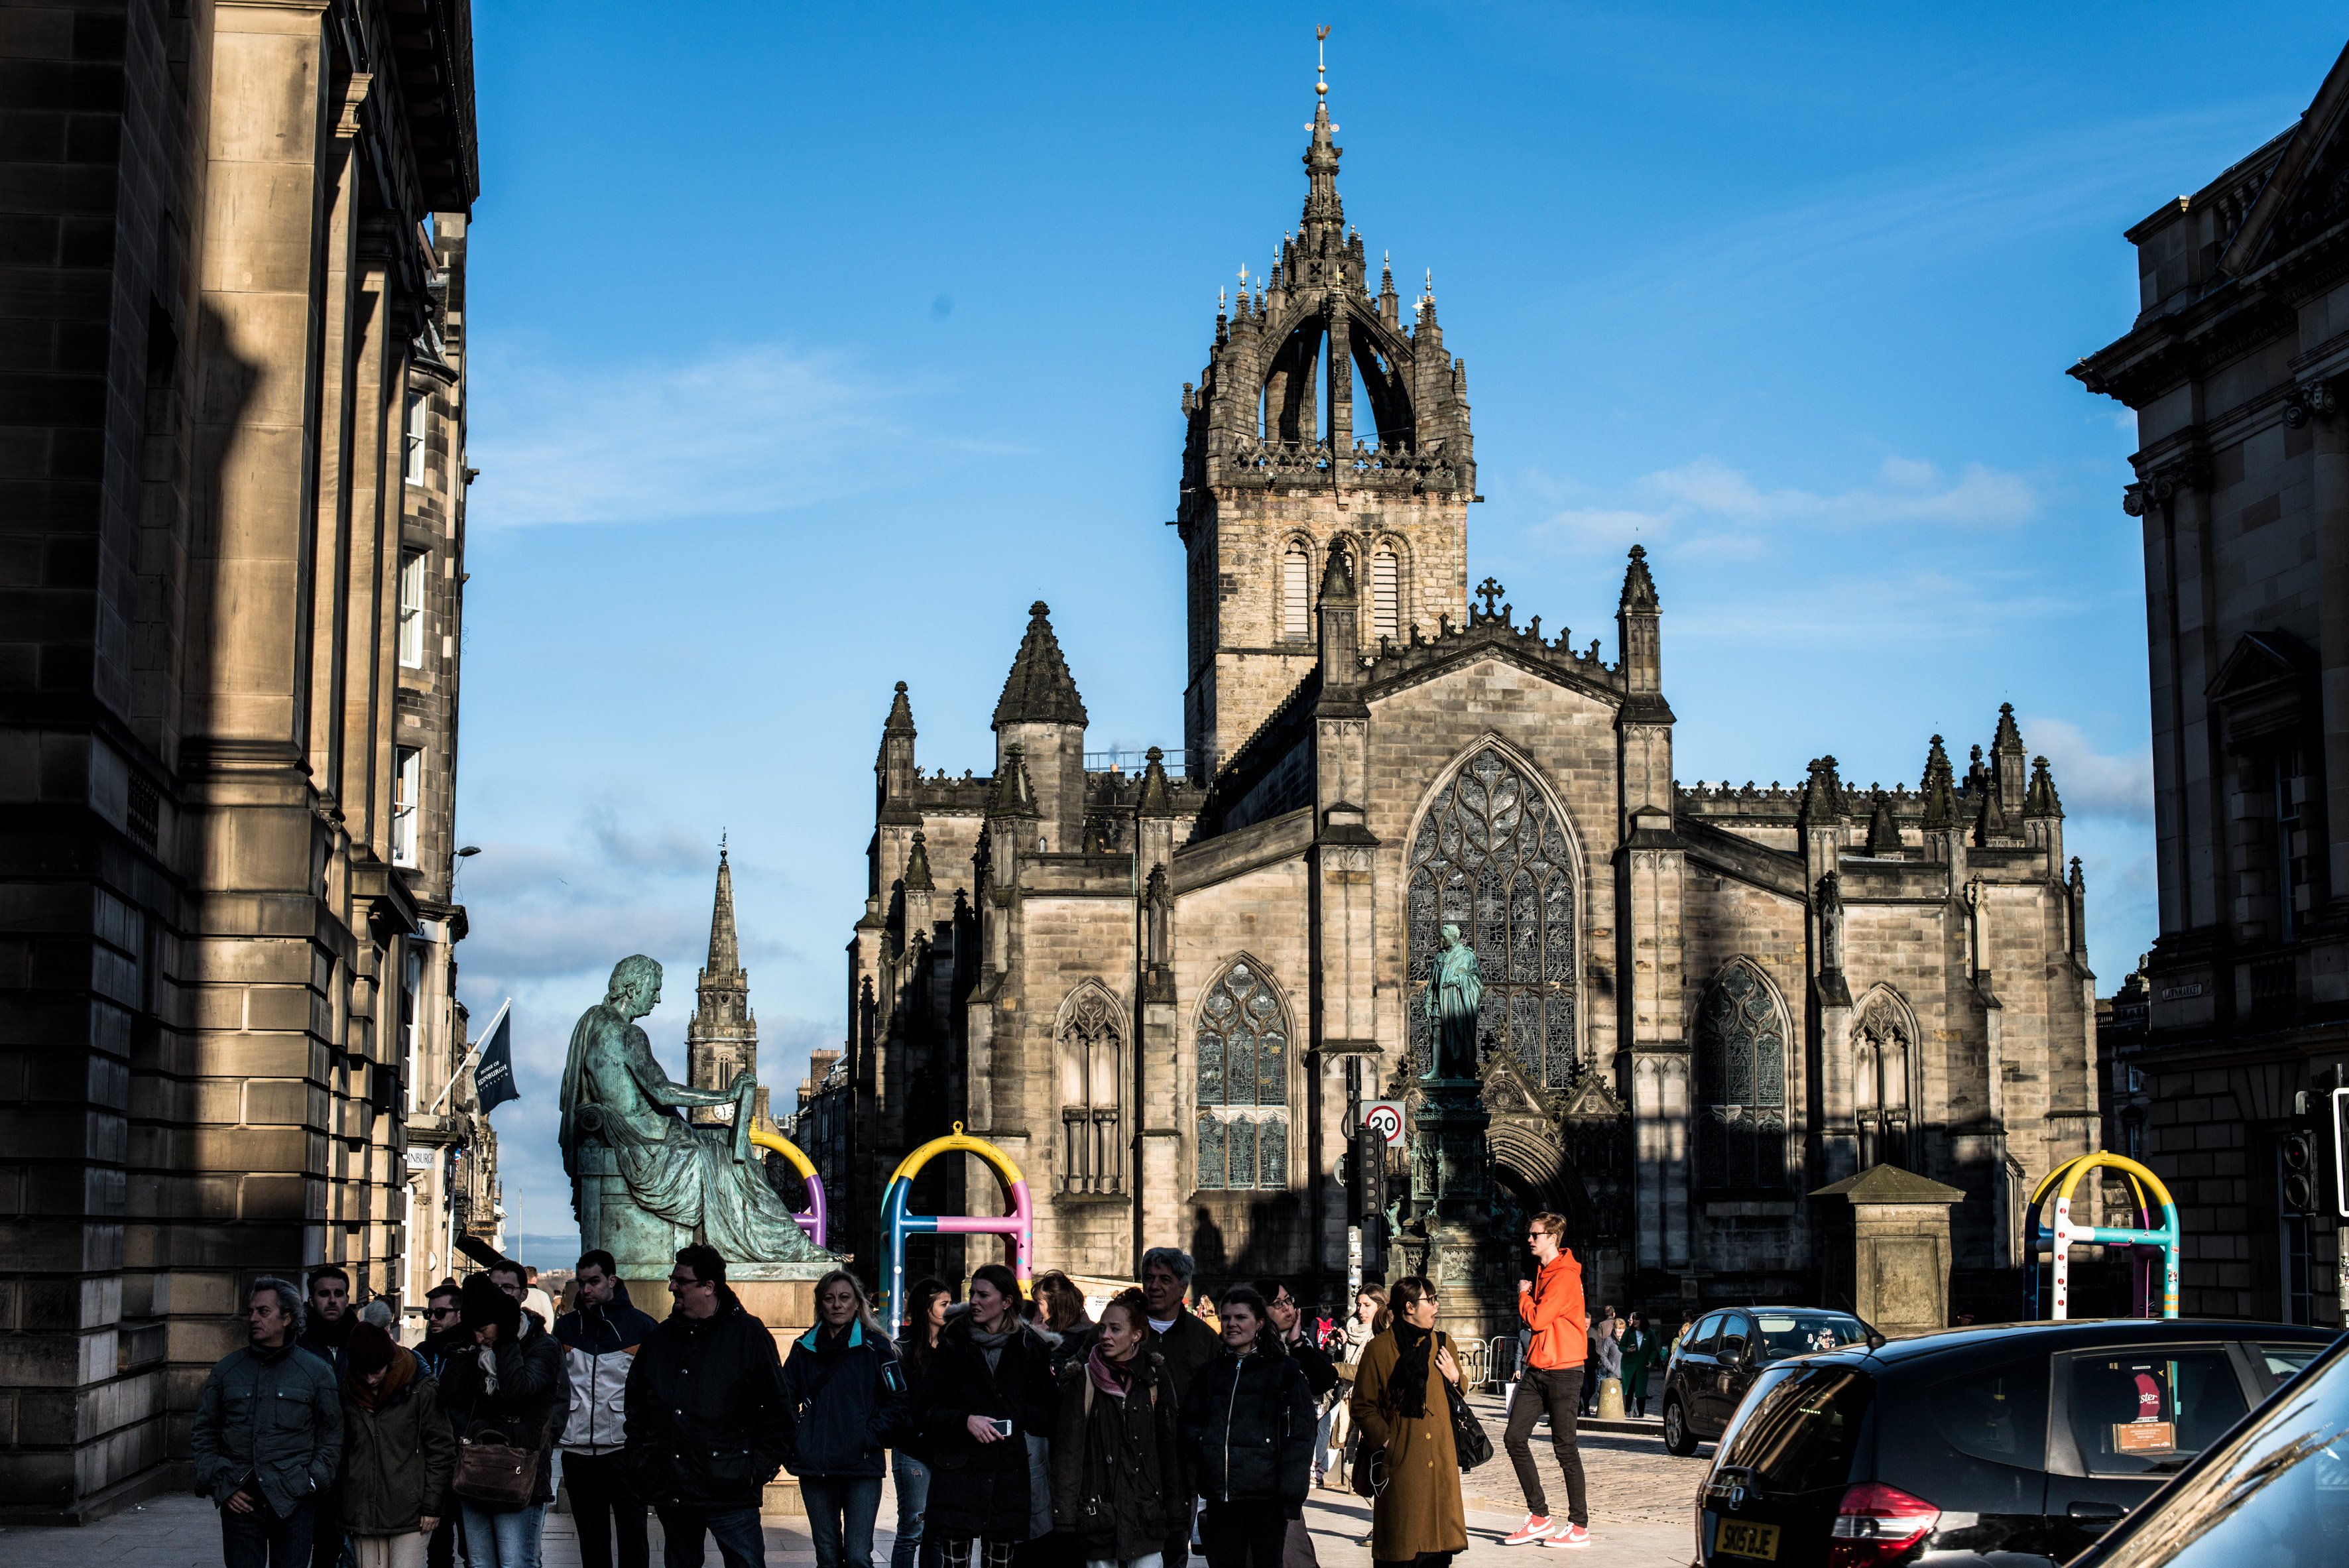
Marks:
<point>1639,1499</point>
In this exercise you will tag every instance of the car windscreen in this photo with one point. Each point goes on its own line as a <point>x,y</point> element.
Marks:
<point>2276,1493</point>
<point>1786,1334</point>
<point>1799,1428</point>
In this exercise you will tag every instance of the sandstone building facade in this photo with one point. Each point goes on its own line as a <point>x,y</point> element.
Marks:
<point>2237,367</point>
<point>1165,991</point>
<point>231,577</point>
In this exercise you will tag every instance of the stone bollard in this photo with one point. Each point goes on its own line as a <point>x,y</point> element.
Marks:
<point>1610,1399</point>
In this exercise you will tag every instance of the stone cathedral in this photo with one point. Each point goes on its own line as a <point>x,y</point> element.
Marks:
<point>1165,991</point>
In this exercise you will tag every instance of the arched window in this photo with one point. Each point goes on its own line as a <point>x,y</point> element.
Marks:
<point>1882,1047</point>
<point>1296,575</point>
<point>1491,858</point>
<point>1740,1075</point>
<point>1243,1118</point>
<point>1386,604</point>
<point>1093,1079</point>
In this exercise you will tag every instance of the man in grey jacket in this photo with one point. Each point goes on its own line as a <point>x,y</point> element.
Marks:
<point>268,1436</point>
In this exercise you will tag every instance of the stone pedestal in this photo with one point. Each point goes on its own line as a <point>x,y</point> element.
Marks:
<point>784,1299</point>
<point>1449,1236</point>
<point>1886,1248</point>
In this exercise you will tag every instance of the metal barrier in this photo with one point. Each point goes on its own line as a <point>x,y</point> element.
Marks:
<point>1501,1357</point>
<point>1471,1355</point>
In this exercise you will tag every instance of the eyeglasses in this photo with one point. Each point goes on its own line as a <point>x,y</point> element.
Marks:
<point>445,1312</point>
<point>686,1282</point>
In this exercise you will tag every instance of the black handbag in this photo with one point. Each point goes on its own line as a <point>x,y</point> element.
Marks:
<point>1468,1439</point>
<point>1367,1475</point>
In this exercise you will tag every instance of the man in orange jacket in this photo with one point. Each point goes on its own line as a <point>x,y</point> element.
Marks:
<point>1551,1304</point>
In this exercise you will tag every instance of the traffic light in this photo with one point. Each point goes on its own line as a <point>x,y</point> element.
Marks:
<point>2314,1155</point>
<point>2303,1172</point>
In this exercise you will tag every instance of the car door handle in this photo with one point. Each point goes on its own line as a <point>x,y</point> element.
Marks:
<point>2096,1510</point>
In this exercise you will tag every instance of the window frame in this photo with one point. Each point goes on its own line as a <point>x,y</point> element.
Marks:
<point>1257,1112</point>
<point>414,458</point>
<point>406,797</point>
<point>2063,1456</point>
<point>1090,1011</point>
<point>1296,589</point>
<point>415,564</point>
<point>1704,1130</point>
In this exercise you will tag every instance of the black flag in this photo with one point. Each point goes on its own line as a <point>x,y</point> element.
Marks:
<point>493,1079</point>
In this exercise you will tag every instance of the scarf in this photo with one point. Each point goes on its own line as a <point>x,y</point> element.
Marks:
<point>1358,1335</point>
<point>991,1345</point>
<point>396,1377</point>
<point>1114,1378</point>
<point>485,1359</point>
<point>1407,1383</point>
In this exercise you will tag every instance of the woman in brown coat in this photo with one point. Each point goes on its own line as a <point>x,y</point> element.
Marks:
<point>1399,1406</point>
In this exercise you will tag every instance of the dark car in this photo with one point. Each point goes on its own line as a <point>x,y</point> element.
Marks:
<point>2274,1492</point>
<point>1716,1362</point>
<point>1971,1445</point>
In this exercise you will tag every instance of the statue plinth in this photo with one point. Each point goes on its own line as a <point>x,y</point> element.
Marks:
<point>1450,1169</point>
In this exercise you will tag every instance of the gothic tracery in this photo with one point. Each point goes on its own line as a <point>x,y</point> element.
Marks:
<point>1491,857</point>
<point>1243,1082</point>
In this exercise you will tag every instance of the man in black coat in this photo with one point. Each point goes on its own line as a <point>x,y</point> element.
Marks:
<point>1186,1344</point>
<point>708,1423</point>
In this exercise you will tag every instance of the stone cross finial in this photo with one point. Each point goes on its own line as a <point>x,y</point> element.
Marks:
<point>1490,592</point>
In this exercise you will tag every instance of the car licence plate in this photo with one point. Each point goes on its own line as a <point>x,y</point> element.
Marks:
<point>1742,1540</point>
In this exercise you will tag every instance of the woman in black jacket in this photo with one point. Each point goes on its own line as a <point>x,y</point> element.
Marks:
<point>1248,1433</point>
<point>510,1380</point>
<point>987,1405</point>
<point>925,1316</point>
<point>1118,1490</point>
<point>848,1399</point>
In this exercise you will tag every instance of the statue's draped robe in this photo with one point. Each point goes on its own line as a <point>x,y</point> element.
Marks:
<point>671,1170</point>
<point>1452,1005</point>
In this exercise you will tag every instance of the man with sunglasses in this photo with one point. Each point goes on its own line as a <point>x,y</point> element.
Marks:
<point>443,1334</point>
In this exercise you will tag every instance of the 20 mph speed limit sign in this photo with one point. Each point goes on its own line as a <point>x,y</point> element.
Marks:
<point>1384,1117</point>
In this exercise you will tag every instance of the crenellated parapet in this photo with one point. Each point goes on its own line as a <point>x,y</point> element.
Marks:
<point>1490,629</point>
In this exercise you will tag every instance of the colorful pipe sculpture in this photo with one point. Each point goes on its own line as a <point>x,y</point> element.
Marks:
<point>812,1221</point>
<point>897,1224</point>
<point>2160,1241</point>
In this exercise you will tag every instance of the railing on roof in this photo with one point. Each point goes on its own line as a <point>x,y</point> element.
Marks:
<point>1121,760</point>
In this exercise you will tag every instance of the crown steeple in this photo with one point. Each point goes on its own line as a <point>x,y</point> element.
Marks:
<point>1324,212</point>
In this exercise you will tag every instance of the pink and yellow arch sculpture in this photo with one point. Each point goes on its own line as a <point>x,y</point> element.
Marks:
<point>897,1224</point>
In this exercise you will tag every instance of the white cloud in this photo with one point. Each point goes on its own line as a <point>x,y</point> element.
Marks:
<point>758,428</point>
<point>1691,504</point>
<point>2092,782</point>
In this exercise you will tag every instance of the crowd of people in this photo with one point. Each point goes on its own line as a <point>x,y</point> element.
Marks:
<point>1017,1428</point>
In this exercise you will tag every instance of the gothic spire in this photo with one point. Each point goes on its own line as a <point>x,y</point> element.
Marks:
<point>1040,689</point>
<point>1324,213</point>
<point>901,714</point>
<point>1883,832</point>
<point>1822,800</point>
<point>1940,803</point>
<point>1639,588</point>
<point>1157,800</point>
<point>725,948</point>
<point>918,866</point>
<point>2042,800</point>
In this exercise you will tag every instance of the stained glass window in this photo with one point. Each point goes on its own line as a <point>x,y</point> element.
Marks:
<point>1741,1074</point>
<point>1490,856</point>
<point>1243,1098</point>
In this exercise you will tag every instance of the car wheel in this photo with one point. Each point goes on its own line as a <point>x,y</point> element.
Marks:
<point>1678,1438</point>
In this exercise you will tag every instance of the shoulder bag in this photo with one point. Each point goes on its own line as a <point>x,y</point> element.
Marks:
<point>494,1473</point>
<point>1469,1443</point>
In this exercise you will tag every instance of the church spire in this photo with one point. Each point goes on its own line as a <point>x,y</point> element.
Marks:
<point>725,947</point>
<point>1323,211</point>
<point>1040,689</point>
<point>722,1038</point>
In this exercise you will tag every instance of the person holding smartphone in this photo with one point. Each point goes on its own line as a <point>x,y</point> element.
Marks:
<point>988,1404</point>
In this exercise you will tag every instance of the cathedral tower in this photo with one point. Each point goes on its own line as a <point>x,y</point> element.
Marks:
<point>1276,473</point>
<point>723,1038</point>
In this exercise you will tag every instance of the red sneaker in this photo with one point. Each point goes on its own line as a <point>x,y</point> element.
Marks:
<point>1536,1527</point>
<point>1572,1536</point>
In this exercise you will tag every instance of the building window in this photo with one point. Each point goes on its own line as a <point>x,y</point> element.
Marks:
<point>1295,573</point>
<point>412,1019</point>
<point>1881,1052</point>
<point>1741,1111</point>
<point>407,789</point>
<point>1243,1116</point>
<point>1386,604</point>
<point>1491,857</point>
<point>1092,1075</point>
<point>412,448</point>
<point>411,608</point>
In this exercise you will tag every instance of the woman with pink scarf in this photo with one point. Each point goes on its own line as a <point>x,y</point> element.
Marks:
<point>1117,1481</point>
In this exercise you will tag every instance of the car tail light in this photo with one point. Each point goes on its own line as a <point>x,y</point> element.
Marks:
<point>1877,1524</point>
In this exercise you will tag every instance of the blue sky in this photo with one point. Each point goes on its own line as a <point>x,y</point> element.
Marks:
<point>810,344</point>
